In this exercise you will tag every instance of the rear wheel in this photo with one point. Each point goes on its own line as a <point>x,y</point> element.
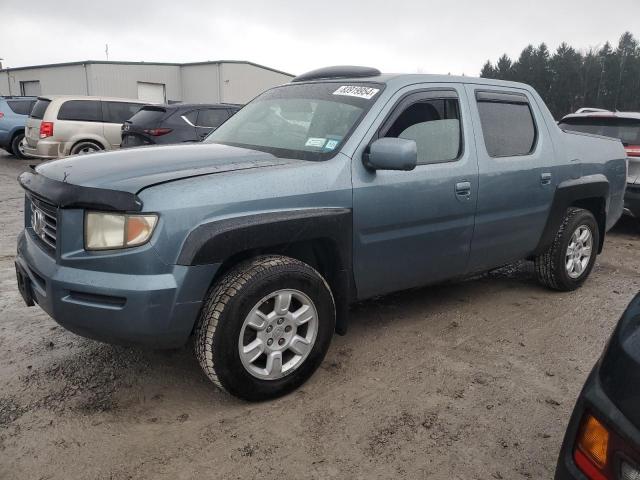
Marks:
<point>265,327</point>
<point>570,258</point>
<point>17,148</point>
<point>84,147</point>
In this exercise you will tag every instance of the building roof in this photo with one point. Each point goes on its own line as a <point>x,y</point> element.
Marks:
<point>109,62</point>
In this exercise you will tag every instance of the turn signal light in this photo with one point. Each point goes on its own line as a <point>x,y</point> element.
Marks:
<point>46,129</point>
<point>594,440</point>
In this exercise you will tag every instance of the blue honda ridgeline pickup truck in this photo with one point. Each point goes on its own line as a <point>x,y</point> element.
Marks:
<point>344,184</point>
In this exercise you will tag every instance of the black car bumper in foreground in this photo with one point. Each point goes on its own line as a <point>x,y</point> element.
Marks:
<point>602,441</point>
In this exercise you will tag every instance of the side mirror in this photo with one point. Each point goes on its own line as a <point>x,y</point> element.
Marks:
<point>392,154</point>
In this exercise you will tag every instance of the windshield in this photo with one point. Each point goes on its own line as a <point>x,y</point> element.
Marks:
<point>306,121</point>
<point>625,129</point>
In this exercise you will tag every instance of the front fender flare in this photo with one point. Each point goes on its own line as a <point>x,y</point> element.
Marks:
<point>219,240</point>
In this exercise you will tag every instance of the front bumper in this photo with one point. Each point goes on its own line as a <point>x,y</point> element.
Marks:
<point>632,200</point>
<point>153,309</point>
<point>593,399</point>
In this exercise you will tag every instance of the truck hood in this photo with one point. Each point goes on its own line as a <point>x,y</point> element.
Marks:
<point>133,170</point>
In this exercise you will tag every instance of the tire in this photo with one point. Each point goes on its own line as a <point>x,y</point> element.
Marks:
<point>84,147</point>
<point>223,328</point>
<point>558,267</point>
<point>16,146</point>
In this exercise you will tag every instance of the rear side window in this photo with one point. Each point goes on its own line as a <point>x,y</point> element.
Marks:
<point>434,124</point>
<point>81,111</point>
<point>21,107</point>
<point>39,108</point>
<point>507,124</point>
<point>148,116</point>
<point>119,112</point>
<point>211,117</point>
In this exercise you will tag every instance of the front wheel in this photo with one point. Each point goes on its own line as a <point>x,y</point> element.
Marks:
<point>265,327</point>
<point>570,258</point>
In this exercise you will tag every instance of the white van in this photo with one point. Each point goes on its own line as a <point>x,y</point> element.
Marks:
<point>68,125</point>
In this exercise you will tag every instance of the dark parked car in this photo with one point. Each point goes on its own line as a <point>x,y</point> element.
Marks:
<point>622,125</point>
<point>164,124</point>
<point>603,437</point>
<point>14,112</point>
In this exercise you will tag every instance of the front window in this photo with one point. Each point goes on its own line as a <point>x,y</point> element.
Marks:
<point>306,121</point>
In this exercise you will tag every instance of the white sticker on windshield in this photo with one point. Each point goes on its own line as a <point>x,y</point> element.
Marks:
<point>357,91</point>
<point>331,144</point>
<point>315,142</point>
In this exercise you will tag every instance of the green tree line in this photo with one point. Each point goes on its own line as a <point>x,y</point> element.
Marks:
<point>567,79</point>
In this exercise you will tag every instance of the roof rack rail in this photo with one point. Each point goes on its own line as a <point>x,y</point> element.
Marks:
<point>341,71</point>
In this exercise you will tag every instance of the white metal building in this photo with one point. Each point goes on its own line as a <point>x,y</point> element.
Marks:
<point>224,81</point>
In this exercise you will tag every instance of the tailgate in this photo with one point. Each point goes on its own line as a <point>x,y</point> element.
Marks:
<point>32,131</point>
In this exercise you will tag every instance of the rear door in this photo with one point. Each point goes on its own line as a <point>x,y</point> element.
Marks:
<point>209,119</point>
<point>415,227</point>
<point>78,120</point>
<point>515,182</point>
<point>114,115</point>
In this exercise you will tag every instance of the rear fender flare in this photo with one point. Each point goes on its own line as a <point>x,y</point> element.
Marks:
<point>569,193</point>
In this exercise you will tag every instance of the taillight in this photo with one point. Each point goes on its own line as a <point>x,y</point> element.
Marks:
<point>46,129</point>
<point>156,132</point>
<point>633,150</point>
<point>1,115</point>
<point>598,451</point>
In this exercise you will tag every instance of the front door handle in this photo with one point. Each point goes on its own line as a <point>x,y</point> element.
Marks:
<point>545,178</point>
<point>463,189</point>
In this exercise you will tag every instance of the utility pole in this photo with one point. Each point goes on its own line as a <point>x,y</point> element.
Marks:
<point>106,50</point>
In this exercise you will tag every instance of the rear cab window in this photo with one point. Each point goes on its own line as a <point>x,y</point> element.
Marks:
<point>80,111</point>
<point>508,127</point>
<point>40,108</point>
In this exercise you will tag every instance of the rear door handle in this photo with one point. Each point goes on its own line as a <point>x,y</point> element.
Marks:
<point>463,189</point>
<point>545,178</point>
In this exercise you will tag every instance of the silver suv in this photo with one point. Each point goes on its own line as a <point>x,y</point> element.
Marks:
<point>67,125</point>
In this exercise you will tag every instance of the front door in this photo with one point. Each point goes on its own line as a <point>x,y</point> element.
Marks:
<point>413,228</point>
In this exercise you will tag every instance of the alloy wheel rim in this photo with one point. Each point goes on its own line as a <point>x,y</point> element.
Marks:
<point>579,251</point>
<point>85,150</point>
<point>278,334</point>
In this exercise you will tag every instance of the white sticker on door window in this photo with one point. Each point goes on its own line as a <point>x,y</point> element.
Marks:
<point>315,142</point>
<point>357,91</point>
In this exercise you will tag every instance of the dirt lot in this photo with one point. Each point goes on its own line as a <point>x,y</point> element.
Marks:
<point>471,380</point>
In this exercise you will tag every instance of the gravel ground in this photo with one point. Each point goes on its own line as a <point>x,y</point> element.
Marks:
<point>471,380</point>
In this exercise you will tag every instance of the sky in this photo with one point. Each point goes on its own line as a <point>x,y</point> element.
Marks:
<point>446,36</point>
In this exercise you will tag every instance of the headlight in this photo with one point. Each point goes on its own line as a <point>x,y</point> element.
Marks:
<point>106,231</point>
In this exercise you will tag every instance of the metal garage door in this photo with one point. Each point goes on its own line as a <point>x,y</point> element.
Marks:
<point>30,88</point>
<point>152,92</point>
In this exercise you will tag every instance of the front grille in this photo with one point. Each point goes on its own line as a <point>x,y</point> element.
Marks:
<point>44,222</point>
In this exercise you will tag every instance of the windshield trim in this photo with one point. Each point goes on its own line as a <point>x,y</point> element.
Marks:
<point>302,154</point>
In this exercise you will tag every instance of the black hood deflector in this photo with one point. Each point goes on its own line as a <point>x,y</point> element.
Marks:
<point>67,195</point>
